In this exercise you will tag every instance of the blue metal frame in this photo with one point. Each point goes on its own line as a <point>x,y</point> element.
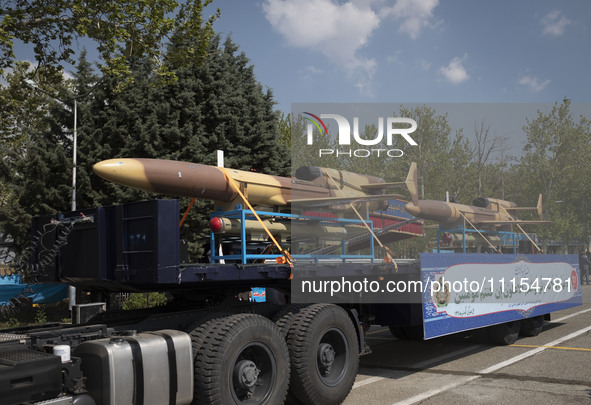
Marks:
<point>244,257</point>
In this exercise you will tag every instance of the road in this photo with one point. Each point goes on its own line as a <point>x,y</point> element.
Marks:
<point>553,367</point>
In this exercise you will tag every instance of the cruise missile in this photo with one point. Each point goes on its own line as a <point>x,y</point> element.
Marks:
<point>486,212</point>
<point>312,187</point>
<point>232,226</point>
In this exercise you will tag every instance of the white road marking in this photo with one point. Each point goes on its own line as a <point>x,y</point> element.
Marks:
<point>570,316</point>
<point>537,350</point>
<point>423,364</point>
<point>369,380</point>
<point>433,392</point>
<point>492,369</point>
<point>443,357</point>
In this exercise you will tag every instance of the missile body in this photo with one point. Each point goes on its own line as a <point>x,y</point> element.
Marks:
<point>450,213</point>
<point>202,181</point>
<point>232,226</point>
<point>187,179</point>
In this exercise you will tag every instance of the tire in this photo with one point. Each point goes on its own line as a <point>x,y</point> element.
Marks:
<point>243,360</point>
<point>504,333</point>
<point>201,327</point>
<point>407,332</point>
<point>324,354</point>
<point>285,317</point>
<point>532,326</point>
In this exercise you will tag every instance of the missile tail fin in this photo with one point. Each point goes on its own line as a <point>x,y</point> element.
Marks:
<point>412,183</point>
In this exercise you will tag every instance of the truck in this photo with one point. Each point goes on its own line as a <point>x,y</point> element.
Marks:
<point>211,344</point>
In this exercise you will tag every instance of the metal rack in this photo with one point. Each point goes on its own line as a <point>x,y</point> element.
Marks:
<point>246,257</point>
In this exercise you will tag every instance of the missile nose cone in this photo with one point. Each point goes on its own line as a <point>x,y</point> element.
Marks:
<point>129,172</point>
<point>216,225</point>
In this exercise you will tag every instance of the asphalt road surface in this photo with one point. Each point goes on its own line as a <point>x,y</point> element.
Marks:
<point>551,368</point>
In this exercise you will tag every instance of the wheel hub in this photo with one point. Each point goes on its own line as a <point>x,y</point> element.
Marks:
<point>326,356</point>
<point>246,374</point>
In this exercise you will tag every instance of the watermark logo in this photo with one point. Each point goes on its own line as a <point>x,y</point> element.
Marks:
<point>391,127</point>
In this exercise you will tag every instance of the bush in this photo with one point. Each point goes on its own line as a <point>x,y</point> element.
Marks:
<point>144,300</point>
<point>40,315</point>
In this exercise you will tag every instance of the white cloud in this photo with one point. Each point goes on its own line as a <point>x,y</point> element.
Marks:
<point>554,23</point>
<point>533,84</point>
<point>455,72</point>
<point>415,15</point>
<point>338,31</point>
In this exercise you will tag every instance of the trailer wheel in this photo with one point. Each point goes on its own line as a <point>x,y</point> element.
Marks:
<point>504,333</point>
<point>324,355</point>
<point>532,326</point>
<point>244,360</point>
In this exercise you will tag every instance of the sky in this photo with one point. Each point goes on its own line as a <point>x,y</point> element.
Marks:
<point>421,51</point>
<point>415,51</point>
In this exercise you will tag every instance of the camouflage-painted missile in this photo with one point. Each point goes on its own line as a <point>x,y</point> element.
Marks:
<point>196,180</point>
<point>231,226</point>
<point>486,212</point>
<point>313,186</point>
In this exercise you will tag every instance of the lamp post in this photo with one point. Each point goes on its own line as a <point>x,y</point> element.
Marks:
<point>34,85</point>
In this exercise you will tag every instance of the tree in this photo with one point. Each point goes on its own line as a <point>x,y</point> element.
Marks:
<point>556,163</point>
<point>36,170</point>
<point>485,146</point>
<point>122,29</point>
<point>17,119</point>
<point>215,104</point>
<point>442,155</point>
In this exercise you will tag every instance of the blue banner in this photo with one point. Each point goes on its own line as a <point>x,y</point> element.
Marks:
<point>469,291</point>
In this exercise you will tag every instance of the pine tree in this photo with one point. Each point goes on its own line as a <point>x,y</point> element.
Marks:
<point>216,103</point>
<point>36,171</point>
<point>219,105</point>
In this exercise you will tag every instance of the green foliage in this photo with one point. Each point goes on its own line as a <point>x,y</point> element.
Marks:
<point>556,163</point>
<point>123,30</point>
<point>214,104</point>
<point>144,300</point>
<point>35,171</point>
<point>40,315</point>
<point>442,155</point>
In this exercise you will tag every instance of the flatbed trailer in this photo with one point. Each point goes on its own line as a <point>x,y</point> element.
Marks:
<point>208,347</point>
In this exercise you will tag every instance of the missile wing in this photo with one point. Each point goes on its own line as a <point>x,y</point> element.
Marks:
<point>333,201</point>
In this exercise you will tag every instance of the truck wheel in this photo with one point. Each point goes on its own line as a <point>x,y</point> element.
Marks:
<point>285,317</point>
<point>243,360</point>
<point>324,355</point>
<point>200,329</point>
<point>532,326</point>
<point>504,333</point>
